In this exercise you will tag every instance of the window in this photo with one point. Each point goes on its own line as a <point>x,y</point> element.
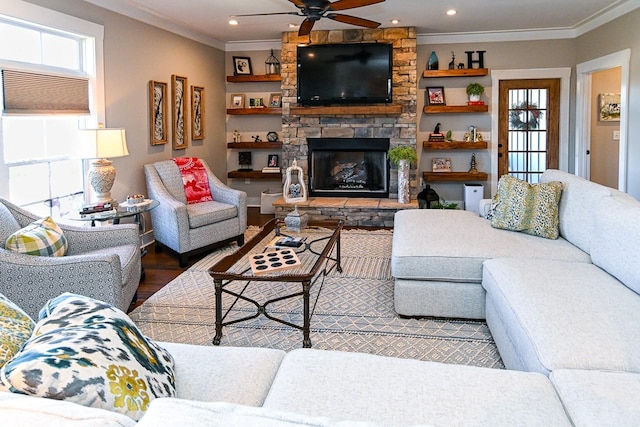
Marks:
<point>37,152</point>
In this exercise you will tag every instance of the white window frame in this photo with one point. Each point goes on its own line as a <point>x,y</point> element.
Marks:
<point>92,46</point>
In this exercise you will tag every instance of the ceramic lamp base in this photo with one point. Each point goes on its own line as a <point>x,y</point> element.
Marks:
<point>101,177</point>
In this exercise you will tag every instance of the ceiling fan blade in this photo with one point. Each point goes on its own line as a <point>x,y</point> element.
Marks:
<point>350,4</point>
<point>271,13</point>
<point>306,26</point>
<point>348,19</point>
<point>298,3</point>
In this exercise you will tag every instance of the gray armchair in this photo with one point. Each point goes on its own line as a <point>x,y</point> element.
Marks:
<point>188,229</point>
<point>101,262</point>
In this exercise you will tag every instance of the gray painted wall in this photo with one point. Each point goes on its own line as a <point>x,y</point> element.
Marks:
<point>135,53</point>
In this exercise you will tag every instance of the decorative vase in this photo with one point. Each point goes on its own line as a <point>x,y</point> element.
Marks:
<point>432,63</point>
<point>403,181</point>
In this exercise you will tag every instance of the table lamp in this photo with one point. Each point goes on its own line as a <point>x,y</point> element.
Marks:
<point>98,145</point>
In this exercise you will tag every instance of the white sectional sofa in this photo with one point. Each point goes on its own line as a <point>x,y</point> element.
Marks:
<point>564,314</point>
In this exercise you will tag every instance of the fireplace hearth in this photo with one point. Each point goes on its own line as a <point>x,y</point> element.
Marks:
<point>348,167</point>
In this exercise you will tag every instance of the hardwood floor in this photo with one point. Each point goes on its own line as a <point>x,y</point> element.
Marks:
<point>162,267</point>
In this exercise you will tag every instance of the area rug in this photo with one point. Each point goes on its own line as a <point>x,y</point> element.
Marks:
<point>352,311</point>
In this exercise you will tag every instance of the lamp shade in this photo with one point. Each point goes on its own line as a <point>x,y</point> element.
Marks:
<point>103,143</point>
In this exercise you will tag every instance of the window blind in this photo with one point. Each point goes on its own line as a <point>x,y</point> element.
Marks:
<point>35,93</point>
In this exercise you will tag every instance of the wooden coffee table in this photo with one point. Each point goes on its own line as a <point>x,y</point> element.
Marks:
<point>317,258</point>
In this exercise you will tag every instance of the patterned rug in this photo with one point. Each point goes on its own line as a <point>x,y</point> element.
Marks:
<point>352,311</point>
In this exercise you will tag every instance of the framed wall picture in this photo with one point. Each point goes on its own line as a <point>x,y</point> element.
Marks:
<point>441,164</point>
<point>179,99</point>
<point>242,66</point>
<point>158,112</point>
<point>237,100</point>
<point>197,113</point>
<point>609,107</point>
<point>256,103</point>
<point>275,100</point>
<point>435,96</point>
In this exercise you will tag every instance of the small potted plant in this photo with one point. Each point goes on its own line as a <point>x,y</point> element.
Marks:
<point>403,156</point>
<point>474,90</point>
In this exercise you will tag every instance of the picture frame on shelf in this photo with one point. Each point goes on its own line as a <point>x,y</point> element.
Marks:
<point>197,113</point>
<point>158,112</point>
<point>242,66</point>
<point>441,164</point>
<point>256,103</point>
<point>275,100</point>
<point>180,124</point>
<point>435,95</point>
<point>272,161</point>
<point>237,100</point>
<point>244,160</point>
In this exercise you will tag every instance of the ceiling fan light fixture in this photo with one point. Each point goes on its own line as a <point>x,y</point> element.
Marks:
<point>451,12</point>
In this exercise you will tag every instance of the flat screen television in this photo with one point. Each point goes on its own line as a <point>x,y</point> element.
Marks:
<point>345,73</point>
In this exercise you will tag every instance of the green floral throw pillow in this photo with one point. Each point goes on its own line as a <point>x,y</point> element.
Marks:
<point>15,329</point>
<point>530,208</point>
<point>88,352</point>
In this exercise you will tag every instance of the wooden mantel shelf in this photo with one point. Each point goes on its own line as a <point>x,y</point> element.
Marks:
<point>369,110</point>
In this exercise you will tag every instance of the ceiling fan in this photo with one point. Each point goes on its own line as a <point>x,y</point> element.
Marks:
<point>314,10</point>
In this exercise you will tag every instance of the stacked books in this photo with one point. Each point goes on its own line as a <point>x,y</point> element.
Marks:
<point>434,137</point>
<point>271,169</point>
<point>280,242</point>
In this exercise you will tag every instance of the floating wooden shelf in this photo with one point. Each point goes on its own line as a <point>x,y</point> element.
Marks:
<point>256,145</point>
<point>454,145</point>
<point>255,79</point>
<point>254,111</point>
<point>454,176</point>
<point>370,110</point>
<point>440,109</point>
<point>467,72</point>
<point>257,174</point>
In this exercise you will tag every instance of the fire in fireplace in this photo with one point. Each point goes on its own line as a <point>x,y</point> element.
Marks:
<point>348,167</point>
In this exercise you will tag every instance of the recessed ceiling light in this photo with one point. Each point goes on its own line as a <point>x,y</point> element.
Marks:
<point>395,21</point>
<point>233,21</point>
<point>451,12</point>
<point>293,25</point>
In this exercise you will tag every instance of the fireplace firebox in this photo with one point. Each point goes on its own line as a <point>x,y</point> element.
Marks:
<point>348,167</point>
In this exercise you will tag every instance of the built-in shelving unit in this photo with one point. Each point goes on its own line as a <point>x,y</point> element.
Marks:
<point>454,145</point>
<point>254,111</point>
<point>257,174</point>
<point>255,79</point>
<point>454,176</point>
<point>336,110</point>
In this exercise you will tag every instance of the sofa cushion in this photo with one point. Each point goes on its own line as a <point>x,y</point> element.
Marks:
<point>15,329</point>
<point>88,352</point>
<point>530,208</point>
<point>451,245</point>
<point>242,375</point>
<point>599,398</point>
<point>178,412</point>
<point>171,179</point>
<point>547,311</point>
<point>577,206</point>
<point>616,244</point>
<point>394,391</point>
<point>43,237</point>
<point>194,179</point>
<point>205,213</point>
<point>18,410</point>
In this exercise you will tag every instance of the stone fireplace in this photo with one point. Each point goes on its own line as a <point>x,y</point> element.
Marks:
<point>348,167</point>
<point>399,128</point>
